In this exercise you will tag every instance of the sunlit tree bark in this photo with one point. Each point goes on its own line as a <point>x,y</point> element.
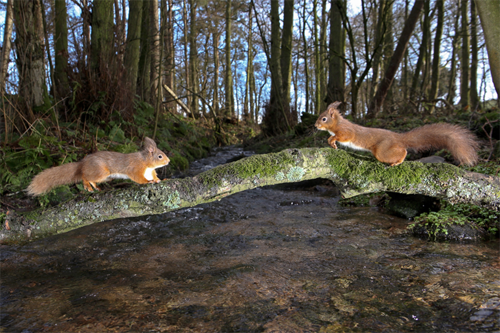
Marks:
<point>433,93</point>
<point>286,52</point>
<point>305,46</point>
<point>228,76</point>
<point>464,59</point>
<point>474,98</point>
<point>489,12</point>
<point>453,62</point>
<point>6,46</point>
<point>193,56</point>
<point>154,34</point>
<point>317,63</point>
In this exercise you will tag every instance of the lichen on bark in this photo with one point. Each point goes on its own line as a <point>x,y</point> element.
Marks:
<point>352,174</point>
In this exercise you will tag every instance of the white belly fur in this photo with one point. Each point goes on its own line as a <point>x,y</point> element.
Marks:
<point>352,146</point>
<point>148,173</point>
<point>118,176</point>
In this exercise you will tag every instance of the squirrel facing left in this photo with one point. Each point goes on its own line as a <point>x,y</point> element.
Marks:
<point>101,166</point>
<point>391,147</point>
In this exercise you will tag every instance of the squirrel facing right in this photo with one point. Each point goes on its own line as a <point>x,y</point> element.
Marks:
<point>391,147</point>
<point>101,166</point>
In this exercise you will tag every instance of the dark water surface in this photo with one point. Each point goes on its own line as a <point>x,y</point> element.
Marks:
<point>280,259</point>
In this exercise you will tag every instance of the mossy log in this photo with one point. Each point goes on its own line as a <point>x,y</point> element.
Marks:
<point>351,173</point>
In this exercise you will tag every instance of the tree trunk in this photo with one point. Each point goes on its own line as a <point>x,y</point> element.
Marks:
<point>489,12</point>
<point>388,50</point>
<point>133,45</point>
<point>474,98</point>
<point>30,49</point>
<point>154,35</point>
<point>247,110</point>
<point>464,59</point>
<point>185,39</point>
<point>215,37</point>
<point>453,63</point>
<point>5,54</point>
<point>391,70</point>
<point>143,81</point>
<point>102,37</point>
<point>433,93</point>
<point>61,51</point>
<point>415,92</point>
<point>228,77</point>
<point>168,22</point>
<point>380,32</point>
<point>336,78</point>
<point>286,53</point>
<point>306,57</point>
<point>193,57</point>
<point>322,52</point>
<point>353,176</point>
<point>317,69</point>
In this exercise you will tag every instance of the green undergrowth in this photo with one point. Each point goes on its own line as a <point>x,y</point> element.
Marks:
<point>439,222</point>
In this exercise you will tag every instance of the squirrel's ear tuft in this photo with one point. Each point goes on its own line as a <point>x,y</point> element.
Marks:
<point>149,145</point>
<point>333,109</point>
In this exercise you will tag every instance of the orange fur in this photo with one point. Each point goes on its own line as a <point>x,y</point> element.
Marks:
<point>390,147</point>
<point>101,166</point>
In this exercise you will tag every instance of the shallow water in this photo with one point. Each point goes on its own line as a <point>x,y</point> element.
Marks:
<point>280,259</point>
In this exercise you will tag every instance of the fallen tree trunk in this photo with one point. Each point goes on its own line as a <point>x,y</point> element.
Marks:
<point>352,174</point>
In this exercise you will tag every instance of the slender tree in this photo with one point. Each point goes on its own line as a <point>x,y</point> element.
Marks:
<point>102,36</point>
<point>464,59</point>
<point>433,93</point>
<point>133,45</point>
<point>193,56</point>
<point>62,87</point>
<point>474,98</point>
<point>286,52</point>
<point>422,54</point>
<point>228,77</point>
<point>7,33</point>
<point>489,12</point>
<point>336,79</point>
<point>391,70</point>
<point>30,51</point>
<point>154,35</point>
<point>453,62</point>
<point>143,77</point>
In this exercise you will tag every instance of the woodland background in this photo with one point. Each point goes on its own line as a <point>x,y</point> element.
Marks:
<point>75,70</point>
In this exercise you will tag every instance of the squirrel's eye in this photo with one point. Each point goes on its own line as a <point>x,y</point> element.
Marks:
<point>160,157</point>
<point>324,119</point>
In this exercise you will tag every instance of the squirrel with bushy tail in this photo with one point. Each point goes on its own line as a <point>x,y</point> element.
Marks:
<point>391,147</point>
<point>101,166</point>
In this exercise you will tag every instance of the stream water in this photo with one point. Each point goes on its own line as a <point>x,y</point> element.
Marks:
<point>277,259</point>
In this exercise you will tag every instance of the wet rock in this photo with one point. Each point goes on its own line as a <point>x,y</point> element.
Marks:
<point>409,206</point>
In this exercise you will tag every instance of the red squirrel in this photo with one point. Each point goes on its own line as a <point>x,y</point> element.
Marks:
<point>101,166</point>
<point>390,147</point>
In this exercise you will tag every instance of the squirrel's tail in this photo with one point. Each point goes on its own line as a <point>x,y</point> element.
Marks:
<point>48,179</point>
<point>461,143</point>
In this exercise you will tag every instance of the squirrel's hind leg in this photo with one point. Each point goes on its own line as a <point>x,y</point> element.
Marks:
<point>391,155</point>
<point>90,186</point>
